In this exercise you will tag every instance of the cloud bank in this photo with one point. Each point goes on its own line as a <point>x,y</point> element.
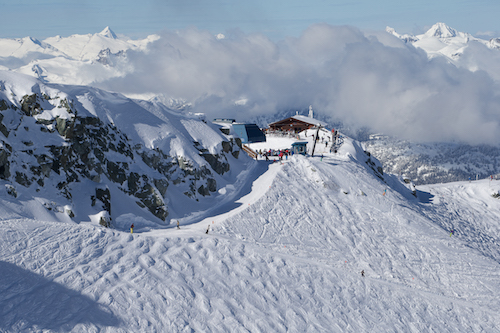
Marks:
<point>364,80</point>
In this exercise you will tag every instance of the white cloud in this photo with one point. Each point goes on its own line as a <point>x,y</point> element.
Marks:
<point>365,80</point>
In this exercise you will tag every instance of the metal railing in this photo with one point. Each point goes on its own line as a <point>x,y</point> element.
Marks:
<point>249,151</point>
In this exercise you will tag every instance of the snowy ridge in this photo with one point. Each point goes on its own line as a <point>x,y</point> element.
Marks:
<point>442,40</point>
<point>75,47</point>
<point>81,151</point>
<point>77,59</point>
<point>261,246</point>
<point>289,259</point>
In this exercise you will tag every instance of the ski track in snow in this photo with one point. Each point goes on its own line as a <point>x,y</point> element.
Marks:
<point>287,258</point>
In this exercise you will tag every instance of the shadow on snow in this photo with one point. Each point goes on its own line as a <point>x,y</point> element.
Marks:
<point>231,202</point>
<point>31,302</point>
<point>424,197</point>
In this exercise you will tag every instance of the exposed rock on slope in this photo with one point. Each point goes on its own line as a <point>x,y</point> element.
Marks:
<point>55,139</point>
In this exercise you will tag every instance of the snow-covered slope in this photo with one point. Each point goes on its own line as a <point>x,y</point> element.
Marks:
<point>286,256</point>
<point>81,151</point>
<point>261,246</point>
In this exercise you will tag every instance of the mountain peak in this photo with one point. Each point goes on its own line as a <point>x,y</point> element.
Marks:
<point>441,30</point>
<point>107,32</point>
<point>33,40</point>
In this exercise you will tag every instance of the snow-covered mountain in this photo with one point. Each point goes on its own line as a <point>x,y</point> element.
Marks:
<point>75,47</point>
<point>310,244</point>
<point>442,40</point>
<point>176,70</point>
<point>429,163</point>
<point>81,152</point>
<point>324,243</point>
<point>77,59</point>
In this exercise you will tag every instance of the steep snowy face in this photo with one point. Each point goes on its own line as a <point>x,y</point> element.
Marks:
<point>77,142</point>
<point>107,32</point>
<point>441,30</point>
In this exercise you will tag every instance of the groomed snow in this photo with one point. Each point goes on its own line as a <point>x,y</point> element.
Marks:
<point>284,252</point>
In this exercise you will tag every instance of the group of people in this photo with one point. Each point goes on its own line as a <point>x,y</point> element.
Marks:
<point>281,153</point>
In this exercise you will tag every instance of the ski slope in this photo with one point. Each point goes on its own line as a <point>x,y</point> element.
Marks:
<point>283,253</point>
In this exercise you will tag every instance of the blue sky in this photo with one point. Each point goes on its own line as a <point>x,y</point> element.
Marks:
<point>275,18</point>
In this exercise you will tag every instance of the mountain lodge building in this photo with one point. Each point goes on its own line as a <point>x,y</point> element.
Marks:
<point>296,124</point>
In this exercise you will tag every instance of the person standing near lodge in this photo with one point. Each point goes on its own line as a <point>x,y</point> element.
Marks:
<point>132,228</point>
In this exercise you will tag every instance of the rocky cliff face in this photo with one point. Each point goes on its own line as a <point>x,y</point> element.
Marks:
<point>46,141</point>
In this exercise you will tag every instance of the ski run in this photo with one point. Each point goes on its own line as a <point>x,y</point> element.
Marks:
<point>282,251</point>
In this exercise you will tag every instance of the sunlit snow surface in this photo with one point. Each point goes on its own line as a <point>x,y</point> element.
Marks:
<point>283,254</point>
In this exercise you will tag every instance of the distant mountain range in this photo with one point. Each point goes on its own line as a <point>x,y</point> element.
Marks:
<point>441,162</point>
<point>430,163</point>
<point>77,59</point>
<point>441,39</point>
<point>93,58</point>
<point>455,46</point>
